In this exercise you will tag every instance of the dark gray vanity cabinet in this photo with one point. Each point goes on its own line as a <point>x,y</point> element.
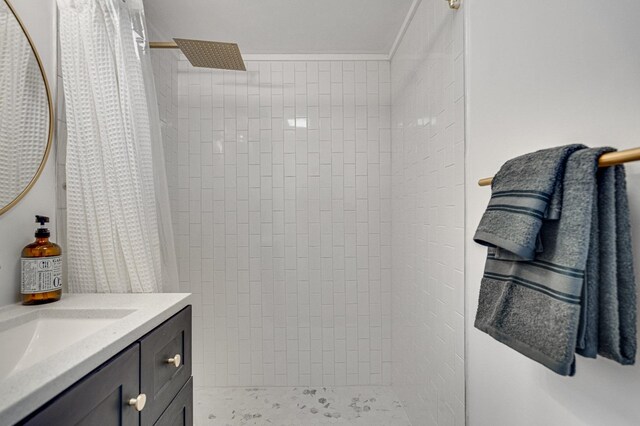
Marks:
<point>161,379</point>
<point>149,383</point>
<point>180,411</point>
<point>101,398</point>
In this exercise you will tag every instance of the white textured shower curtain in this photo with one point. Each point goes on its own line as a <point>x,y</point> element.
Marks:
<point>119,234</point>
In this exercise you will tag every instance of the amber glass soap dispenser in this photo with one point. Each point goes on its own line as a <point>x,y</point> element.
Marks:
<point>41,268</point>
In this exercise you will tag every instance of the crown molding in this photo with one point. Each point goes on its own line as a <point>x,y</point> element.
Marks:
<point>316,57</point>
<point>404,27</point>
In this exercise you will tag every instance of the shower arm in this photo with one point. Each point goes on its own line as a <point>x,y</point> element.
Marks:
<point>163,45</point>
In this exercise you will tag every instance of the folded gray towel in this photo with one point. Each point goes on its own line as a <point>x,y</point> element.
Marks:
<point>542,307</point>
<point>611,314</point>
<point>526,190</point>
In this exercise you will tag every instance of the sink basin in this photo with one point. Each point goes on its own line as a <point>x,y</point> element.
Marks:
<point>33,337</point>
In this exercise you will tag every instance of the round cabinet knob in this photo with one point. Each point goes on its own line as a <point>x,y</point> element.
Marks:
<point>176,360</point>
<point>139,402</point>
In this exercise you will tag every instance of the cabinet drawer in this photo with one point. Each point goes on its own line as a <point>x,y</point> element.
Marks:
<point>160,379</point>
<point>98,399</point>
<point>180,412</point>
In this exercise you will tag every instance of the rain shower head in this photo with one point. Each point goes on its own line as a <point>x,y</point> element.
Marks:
<point>206,54</point>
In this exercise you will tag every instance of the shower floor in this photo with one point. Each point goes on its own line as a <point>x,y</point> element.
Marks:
<point>299,406</point>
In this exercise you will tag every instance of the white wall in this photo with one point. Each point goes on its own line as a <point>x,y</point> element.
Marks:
<point>428,216</point>
<point>544,73</point>
<point>283,221</point>
<point>17,225</point>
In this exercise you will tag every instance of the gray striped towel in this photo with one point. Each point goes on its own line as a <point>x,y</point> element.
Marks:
<point>526,190</point>
<point>533,295</point>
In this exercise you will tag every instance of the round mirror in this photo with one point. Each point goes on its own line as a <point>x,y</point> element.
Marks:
<point>26,113</point>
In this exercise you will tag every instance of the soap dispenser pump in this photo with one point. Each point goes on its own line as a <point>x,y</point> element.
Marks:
<point>41,265</point>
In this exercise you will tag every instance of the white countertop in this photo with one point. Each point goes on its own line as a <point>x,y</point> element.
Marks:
<point>25,391</point>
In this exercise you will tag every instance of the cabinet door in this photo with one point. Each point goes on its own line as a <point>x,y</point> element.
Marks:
<point>101,398</point>
<point>160,379</point>
<point>180,411</point>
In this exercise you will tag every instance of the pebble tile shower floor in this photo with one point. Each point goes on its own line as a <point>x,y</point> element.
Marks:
<point>299,406</point>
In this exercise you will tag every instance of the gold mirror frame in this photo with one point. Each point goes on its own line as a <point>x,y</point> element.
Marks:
<point>47,150</point>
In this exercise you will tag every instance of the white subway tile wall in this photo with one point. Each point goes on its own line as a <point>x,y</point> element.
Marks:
<point>428,216</point>
<point>281,189</point>
<point>165,73</point>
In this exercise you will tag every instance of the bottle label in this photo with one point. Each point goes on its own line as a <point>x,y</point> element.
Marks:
<point>41,274</point>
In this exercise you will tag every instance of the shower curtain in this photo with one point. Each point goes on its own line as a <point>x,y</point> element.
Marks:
<point>119,234</point>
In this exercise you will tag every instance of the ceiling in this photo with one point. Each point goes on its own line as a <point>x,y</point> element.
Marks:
<point>284,26</point>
